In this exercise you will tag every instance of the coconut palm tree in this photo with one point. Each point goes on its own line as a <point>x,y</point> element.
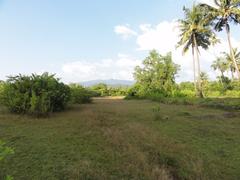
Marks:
<point>229,59</point>
<point>221,65</point>
<point>195,33</point>
<point>220,16</point>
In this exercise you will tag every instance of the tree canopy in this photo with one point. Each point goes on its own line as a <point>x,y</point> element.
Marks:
<point>157,75</point>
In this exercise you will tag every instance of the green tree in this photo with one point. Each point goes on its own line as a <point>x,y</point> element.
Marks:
<point>230,61</point>
<point>225,12</point>
<point>101,88</point>
<point>195,33</point>
<point>221,65</point>
<point>157,75</point>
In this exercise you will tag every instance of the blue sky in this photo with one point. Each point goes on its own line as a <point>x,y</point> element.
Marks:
<point>84,40</point>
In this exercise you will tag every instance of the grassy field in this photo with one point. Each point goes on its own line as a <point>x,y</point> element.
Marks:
<point>120,139</point>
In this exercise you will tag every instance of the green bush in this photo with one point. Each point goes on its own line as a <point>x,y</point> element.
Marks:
<point>188,93</point>
<point>36,94</point>
<point>118,91</point>
<point>4,152</point>
<point>1,92</point>
<point>233,93</point>
<point>236,85</point>
<point>135,92</point>
<point>100,89</point>
<point>186,86</point>
<point>80,95</point>
<point>213,94</point>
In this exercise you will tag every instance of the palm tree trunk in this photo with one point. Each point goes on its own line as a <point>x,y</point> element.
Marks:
<point>222,74</point>
<point>221,80</point>
<point>194,70</point>
<point>200,93</point>
<point>232,74</point>
<point>231,52</point>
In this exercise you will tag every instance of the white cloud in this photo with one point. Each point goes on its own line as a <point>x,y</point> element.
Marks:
<point>124,31</point>
<point>209,2</point>
<point>161,37</point>
<point>119,68</point>
<point>164,37</point>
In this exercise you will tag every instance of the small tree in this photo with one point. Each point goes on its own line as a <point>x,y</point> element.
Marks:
<point>101,88</point>
<point>157,75</point>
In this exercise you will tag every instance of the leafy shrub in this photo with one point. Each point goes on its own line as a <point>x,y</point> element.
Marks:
<point>80,95</point>
<point>188,93</point>
<point>213,94</point>
<point>1,92</point>
<point>93,93</point>
<point>135,92</point>
<point>186,86</point>
<point>100,89</point>
<point>236,85</point>
<point>118,91</point>
<point>36,94</point>
<point>233,94</point>
<point>5,151</point>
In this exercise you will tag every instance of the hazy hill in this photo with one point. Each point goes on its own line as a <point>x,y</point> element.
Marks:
<point>110,82</point>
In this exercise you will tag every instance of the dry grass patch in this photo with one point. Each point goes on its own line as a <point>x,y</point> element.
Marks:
<point>119,139</point>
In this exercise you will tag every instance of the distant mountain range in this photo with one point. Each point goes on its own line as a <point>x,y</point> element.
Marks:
<point>109,82</point>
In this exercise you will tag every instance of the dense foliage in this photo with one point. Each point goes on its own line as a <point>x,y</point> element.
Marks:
<point>1,91</point>
<point>157,76</point>
<point>224,87</point>
<point>155,80</point>
<point>36,94</point>
<point>102,89</point>
<point>80,95</point>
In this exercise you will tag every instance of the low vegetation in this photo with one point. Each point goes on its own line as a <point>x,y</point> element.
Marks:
<point>4,152</point>
<point>40,95</point>
<point>81,95</point>
<point>156,81</point>
<point>36,94</point>
<point>175,136</point>
<point>119,139</point>
<point>105,90</point>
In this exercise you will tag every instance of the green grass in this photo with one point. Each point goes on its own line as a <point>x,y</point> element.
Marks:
<point>218,103</point>
<point>120,139</point>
